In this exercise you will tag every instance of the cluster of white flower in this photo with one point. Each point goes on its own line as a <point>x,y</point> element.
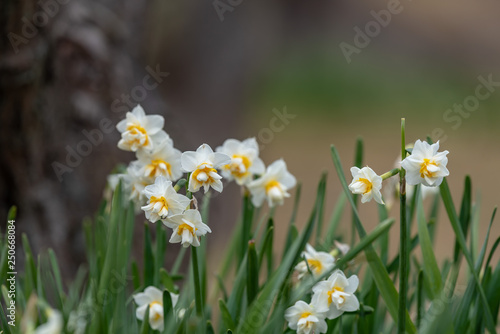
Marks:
<point>149,179</point>
<point>150,182</point>
<point>425,166</point>
<point>331,297</point>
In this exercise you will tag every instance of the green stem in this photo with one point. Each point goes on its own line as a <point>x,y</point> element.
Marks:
<point>403,247</point>
<point>390,173</point>
<point>197,285</point>
<point>247,224</point>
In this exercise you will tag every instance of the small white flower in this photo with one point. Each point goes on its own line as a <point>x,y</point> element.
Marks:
<point>163,160</point>
<point>163,200</point>
<point>306,318</point>
<point>133,184</point>
<point>366,183</point>
<point>343,248</point>
<point>425,165</point>
<point>187,227</point>
<point>245,161</point>
<point>202,165</point>
<point>273,185</point>
<point>54,324</point>
<point>318,262</point>
<point>336,294</point>
<point>152,297</point>
<point>140,131</point>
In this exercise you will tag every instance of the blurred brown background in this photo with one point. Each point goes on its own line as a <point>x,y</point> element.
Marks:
<point>69,69</point>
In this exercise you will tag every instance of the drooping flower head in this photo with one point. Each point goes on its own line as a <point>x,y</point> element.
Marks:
<point>163,200</point>
<point>318,262</point>
<point>187,227</point>
<point>425,165</point>
<point>245,161</point>
<point>336,294</point>
<point>306,318</point>
<point>203,165</point>
<point>366,183</point>
<point>163,160</point>
<point>141,132</point>
<point>272,185</point>
<point>152,297</point>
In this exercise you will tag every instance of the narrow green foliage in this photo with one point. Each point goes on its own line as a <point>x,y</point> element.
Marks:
<point>358,162</point>
<point>149,259</point>
<point>431,269</point>
<point>252,272</point>
<point>226,316</point>
<point>247,224</point>
<point>380,275</point>
<point>465,214</point>
<point>455,223</point>
<point>335,221</point>
<point>320,202</point>
<point>196,282</point>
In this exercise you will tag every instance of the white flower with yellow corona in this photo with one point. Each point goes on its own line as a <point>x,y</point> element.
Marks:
<point>133,183</point>
<point>152,297</point>
<point>163,200</point>
<point>245,161</point>
<point>318,262</point>
<point>187,228</point>
<point>425,165</point>
<point>141,132</point>
<point>367,184</point>
<point>273,185</point>
<point>54,324</point>
<point>203,165</point>
<point>306,318</point>
<point>336,294</point>
<point>164,160</point>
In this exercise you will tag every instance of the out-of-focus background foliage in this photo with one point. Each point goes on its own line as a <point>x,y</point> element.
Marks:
<point>233,67</point>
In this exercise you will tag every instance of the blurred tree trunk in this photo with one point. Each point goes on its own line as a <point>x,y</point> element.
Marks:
<point>58,78</point>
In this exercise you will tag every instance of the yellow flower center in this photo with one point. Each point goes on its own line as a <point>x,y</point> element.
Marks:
<point>137,130</point>
<point>332,291</point>
<point>235,167</point>
<point>423,168</point>
<point>367,183</point>
<point>155,168</point>
<point>157,315</point>
<point>162,200</point>
<point>206,178</point>
<point>271,184</point>
<point>315,265</point>
<point>305,314</point>
<point>183,227</point>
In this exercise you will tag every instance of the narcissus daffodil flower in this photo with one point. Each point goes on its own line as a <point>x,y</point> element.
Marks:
<point>318,262</point>
<point>140,131</point>
<point>425,165</point>
<point>306,318</point>
<point>133,183</point>
<point>54,324</point>
<point>203,165</point>
<point>272,185</point>
<point>336,294</point>
<point>163,160</point>
<point>163,200</point>
<point>367,184</point>
<point>187,227</point>
<point>152,297</point>
<point>245,161</point>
